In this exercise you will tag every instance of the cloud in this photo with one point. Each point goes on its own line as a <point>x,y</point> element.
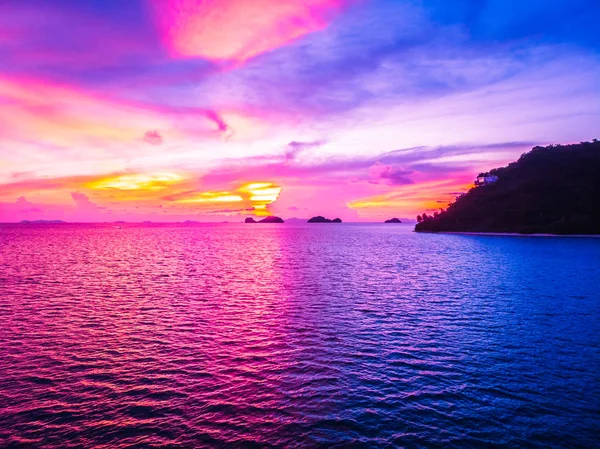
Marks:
<point>425,195</point>
<point>153,137</point>
<point>24,206</point>
<point>83,202</point>
<point>237,29</point>
<point>394,176</point>
<point>256,196</point>
<point>395,167</point>
<point>22,209</point>
<point>230,211</point>
<point>295,148</point>
<point>299,146</point>
<point>42,184</point>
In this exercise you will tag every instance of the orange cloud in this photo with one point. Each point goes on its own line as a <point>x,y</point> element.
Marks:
<point>415,198</point>
<point>145,192</point>
<point>254,196</point>
<point>136,181</point>
<point>237,29</point>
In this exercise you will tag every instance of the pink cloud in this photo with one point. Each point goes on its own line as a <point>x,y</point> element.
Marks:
<point>25,206</point>
<point>237,29</point>
<point>153,137</point>
<point>63,115</point>
<point>83,202</point>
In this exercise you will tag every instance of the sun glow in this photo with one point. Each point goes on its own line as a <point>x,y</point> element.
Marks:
<point>254,197</point>
<point>214,197</point>
<point>424,196</point>
<point>261,194</point>
<point>149,182</point>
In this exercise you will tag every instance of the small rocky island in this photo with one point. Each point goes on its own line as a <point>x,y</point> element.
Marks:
<point>320,219</point>
<point>549,190</point>
<point>269,219</point>
<point>393,220</point>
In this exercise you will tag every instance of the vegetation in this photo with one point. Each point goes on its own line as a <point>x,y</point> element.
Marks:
<point>550,190</point>
<point>320,219</point>
<point>269,219</point>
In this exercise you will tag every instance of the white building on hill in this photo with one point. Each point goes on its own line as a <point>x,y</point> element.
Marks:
<point>485,179</point>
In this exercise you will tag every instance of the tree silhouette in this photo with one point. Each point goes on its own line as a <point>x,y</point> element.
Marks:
<point>553,189</point>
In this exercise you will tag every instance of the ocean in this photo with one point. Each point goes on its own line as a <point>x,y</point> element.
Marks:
<point>296,336</point>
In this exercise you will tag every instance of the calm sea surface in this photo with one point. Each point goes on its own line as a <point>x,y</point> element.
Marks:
<point>173,336</point>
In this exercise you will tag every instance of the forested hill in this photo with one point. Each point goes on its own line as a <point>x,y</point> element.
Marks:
<point>553,189</point>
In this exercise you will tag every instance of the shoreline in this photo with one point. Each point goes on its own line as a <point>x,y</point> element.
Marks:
<point>512,234</point>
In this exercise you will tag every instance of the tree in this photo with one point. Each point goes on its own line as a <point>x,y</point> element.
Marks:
<point>550,190</point>
<point>419,219</point>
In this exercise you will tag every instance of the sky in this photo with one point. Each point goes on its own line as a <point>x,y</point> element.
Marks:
<point>214,110</point>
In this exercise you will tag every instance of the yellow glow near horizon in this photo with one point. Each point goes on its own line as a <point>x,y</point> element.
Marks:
<point>424,196</point>
<point>261,192</point>
<point>255,196</point>
<point>149,181</point>
<point>255,185</point>
<point>214,197</point>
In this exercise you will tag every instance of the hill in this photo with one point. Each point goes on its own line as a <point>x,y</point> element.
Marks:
<point>269,219</point>
<point>549,190</point>
<point>320,219</point>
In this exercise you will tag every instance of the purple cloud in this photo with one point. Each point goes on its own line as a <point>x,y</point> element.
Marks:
<point>393,175</point>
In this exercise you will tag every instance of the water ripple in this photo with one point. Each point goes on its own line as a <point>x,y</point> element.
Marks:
<point>281,336</point>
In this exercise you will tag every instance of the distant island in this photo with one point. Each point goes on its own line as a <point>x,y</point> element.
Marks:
<point>393,220</point>
<point>269,219</point>
<point>42,222</point>
<point>549,190</point>
<point>295,220</point>
<point>320,219</point>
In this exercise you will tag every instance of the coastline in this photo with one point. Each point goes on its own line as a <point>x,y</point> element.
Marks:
<point>512,234</point>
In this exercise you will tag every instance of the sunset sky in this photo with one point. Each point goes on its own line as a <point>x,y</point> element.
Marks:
<point>212,110</point>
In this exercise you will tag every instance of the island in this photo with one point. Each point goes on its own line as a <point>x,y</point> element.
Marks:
<point>295,220</point>
<point>320,219</point>
<point>42,222</point>
<point>549,190</point>
<point>270,219</point>
<point>393,220</point>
